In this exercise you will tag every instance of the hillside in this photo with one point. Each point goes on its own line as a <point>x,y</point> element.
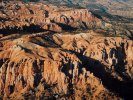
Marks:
<point>50,52</point>
<point>115,7</point>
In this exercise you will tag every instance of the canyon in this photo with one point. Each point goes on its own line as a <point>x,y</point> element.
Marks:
<point>59,53</point>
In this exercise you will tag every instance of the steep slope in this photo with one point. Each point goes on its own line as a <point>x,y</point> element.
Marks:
<point>116,7</point>
<point>40,17</point>
<point>43,57</point>
<point>79,66</point>
<point>118,13</point>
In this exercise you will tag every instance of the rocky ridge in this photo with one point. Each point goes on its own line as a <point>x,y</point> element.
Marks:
<point>115,7</point>
<point>54,64</point>
<point>19,16</point>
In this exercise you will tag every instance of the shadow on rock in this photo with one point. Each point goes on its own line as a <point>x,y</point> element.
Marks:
<point>121,88</point>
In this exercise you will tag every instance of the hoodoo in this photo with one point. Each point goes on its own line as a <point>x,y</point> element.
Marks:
<point>60,53</point>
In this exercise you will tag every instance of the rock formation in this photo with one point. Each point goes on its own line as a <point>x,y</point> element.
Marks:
<point>65,66</point>
<point>51,65</point>
<point>18,16</point>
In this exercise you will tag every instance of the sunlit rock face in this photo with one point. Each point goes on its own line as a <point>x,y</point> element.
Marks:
<point>20,16</point>
<point>40,58</point>
<point>66,66</point>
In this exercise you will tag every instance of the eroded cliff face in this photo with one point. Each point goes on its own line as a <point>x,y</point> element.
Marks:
<point>49,66</point>
<point>39,16</point>
<point>54,64</point>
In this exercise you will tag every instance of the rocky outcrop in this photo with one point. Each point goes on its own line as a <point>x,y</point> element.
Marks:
<point>40,64</point>
<point>116,53</point>
<point>56,66</point>
<point>19,16</point>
